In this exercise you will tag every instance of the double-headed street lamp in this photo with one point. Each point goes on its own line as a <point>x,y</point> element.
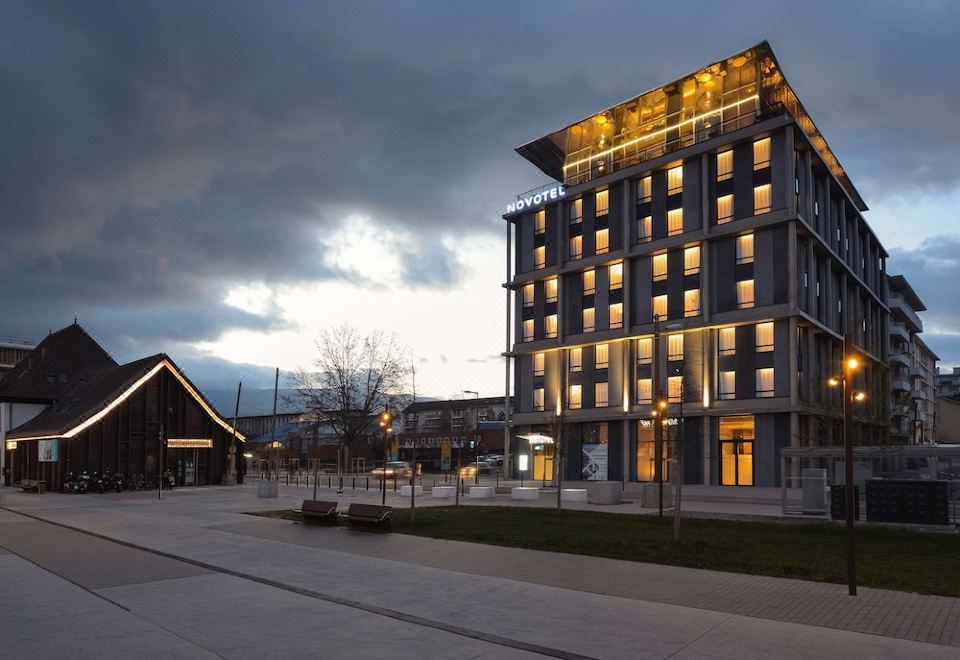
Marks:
<point>850,396</point>
<point>385,425</point>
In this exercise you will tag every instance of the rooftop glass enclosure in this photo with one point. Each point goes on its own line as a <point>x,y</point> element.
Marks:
<point>718,99</point>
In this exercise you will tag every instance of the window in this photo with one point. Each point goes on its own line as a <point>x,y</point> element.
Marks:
<point>550,287</point>
<point>691,260</point>
<point>616,315</point>
<point>603,241</point>
<point>644,390</point>
<point>675,180</point>
<point>615,273</point>
<point>600,395</point>
<point>761,154</point>
<point>644,189</point>
<point>540,257</point>
<point>727,386</point>
<point>675,346</point>
<point>645,229</point>
<point>589,282</point>
<point>691,302</point>
<point>538,360</point>
<point>744,294</point>
<point>816,208</point>
<point>538,399</point>
<point>576,360</point>
<point>725,165</point>
<point>528,295</point>
<point>761,199</point>
<point>551,326</point>
<point>576,211</point>
<point>659,267</point>
<point>576,247</point>
<point>765,382</point>
<point>660,306</point>
<point>765,337</point>
<point>528,330</point>
<point>727,341</point>
<point>674,389</point>
<point>601,356</point>
<point>589,319</point>
<point>541,220</point>
<point>603,202</point>
<point>674,222</point>
<point>724,209</point>
<point>745,249</point>
<point>644,350</point>
<point>575,397</point>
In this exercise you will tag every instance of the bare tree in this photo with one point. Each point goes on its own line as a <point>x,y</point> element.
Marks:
<point>353,378</point>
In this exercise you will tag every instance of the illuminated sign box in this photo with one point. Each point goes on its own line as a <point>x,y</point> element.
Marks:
<point>190,443</point>
<point>11,445</point>
<point>536,199</point>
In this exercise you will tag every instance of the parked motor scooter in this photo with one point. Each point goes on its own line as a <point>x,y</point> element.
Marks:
<point>83,482</point>
<point>168,480</point>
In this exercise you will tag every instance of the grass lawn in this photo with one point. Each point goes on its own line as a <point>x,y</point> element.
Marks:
<point>923,562</point>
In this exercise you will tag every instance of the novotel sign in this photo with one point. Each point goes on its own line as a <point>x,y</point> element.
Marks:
<point>536,199</point>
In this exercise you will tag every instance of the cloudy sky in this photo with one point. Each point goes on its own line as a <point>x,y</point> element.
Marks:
<point>222,180</point>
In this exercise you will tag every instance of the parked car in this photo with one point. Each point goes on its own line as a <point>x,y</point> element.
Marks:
<point>471,469</point>
<point>395,469</point>
<point>495,459</point>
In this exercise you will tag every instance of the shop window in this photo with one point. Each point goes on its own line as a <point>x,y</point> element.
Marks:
<point>646,453</point>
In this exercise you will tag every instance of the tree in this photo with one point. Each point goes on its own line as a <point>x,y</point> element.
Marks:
<point>351,381</point>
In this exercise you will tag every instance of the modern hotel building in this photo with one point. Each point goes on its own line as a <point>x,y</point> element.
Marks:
<point>702,246</point>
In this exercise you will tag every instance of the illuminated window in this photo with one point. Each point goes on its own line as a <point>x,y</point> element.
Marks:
<point>603,241</point>
<point>691,302</point>
<point>744,294</point>
<point>644,390</point>
<point>725,165</point>
<point>538,399</point>
<point>761,199</point>
<point>745,249</point>
<point>615,272</point>
<point>674,388</point>
<point>538,360</point>
<point>540,257</point>
<point>575,397</point>
<point>727,386</point>
<point>659,267</point>
<point>589,282</point>
<point>675,346</point>
<point>616,315</point>
<point>645,350</point>
<point>645,229</point>
<point>541,220</point>
<point>674,222</point>
<point>603,202</point>
<point>576,360</point>
<point>765,337</point>
<point>644,189</point>
<point>528,295</point>
<point>691,260</point>
<point>727,341</point>
<point>550,287</point>
<point>528,330</point>
<point>601,356</point>
<point>589,319</point>
<point>761,154</point>
<point>551,326</point>
<point>675,180</point>
<point>724,209</point>
<point>660,306</point>
<point>765,382</point>
<point>576,247</point>
<point>600,395</point>
<point>576,211</point>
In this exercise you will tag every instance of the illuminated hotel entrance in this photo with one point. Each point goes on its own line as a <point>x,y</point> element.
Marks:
<point>647,451</point>
<point>736,451</point>
<point>542,462</point>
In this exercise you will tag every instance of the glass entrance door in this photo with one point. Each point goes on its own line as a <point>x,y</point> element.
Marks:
<point>736,463</point>
<point>190,468</point>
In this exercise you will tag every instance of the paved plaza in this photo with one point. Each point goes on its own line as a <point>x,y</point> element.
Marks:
<point>126,575</point>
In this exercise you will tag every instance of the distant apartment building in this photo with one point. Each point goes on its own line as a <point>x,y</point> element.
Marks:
<point>948,383</point>
<point>445,428</point>
<point>12,350</point>
<point>701,246</point>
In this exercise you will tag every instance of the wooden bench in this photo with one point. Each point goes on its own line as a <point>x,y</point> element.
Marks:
<point>370,514</point>
<point>33,486</point>
<point>319,510</point>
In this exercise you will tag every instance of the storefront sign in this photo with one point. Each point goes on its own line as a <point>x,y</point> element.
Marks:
<point>48,451</point>
<point>535,200</point>
<point>595,462</point>
<point>190,443</point>
<point>11,445</point>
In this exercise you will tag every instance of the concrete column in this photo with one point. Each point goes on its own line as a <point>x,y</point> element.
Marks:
<point>792,361</point>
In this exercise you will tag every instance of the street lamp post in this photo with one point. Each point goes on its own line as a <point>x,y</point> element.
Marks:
<point>659,415</point>
<point>385,424</point>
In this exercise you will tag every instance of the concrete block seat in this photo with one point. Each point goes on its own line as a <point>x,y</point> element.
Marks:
<point>405,490</point>
<point>573,494</point>
<point>445,492</point>
<point>524,493</point>
<point>482,492</point>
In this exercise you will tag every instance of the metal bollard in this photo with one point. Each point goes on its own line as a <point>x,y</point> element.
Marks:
<point>394,483</point>
<point>354,483</point>
<point>288,478</point>
<point>368,483</point>
<point>328,481</point>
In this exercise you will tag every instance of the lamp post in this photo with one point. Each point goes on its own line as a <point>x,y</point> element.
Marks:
<point>385,425</point>
<point>658,415</point>
<point>845,381</point>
